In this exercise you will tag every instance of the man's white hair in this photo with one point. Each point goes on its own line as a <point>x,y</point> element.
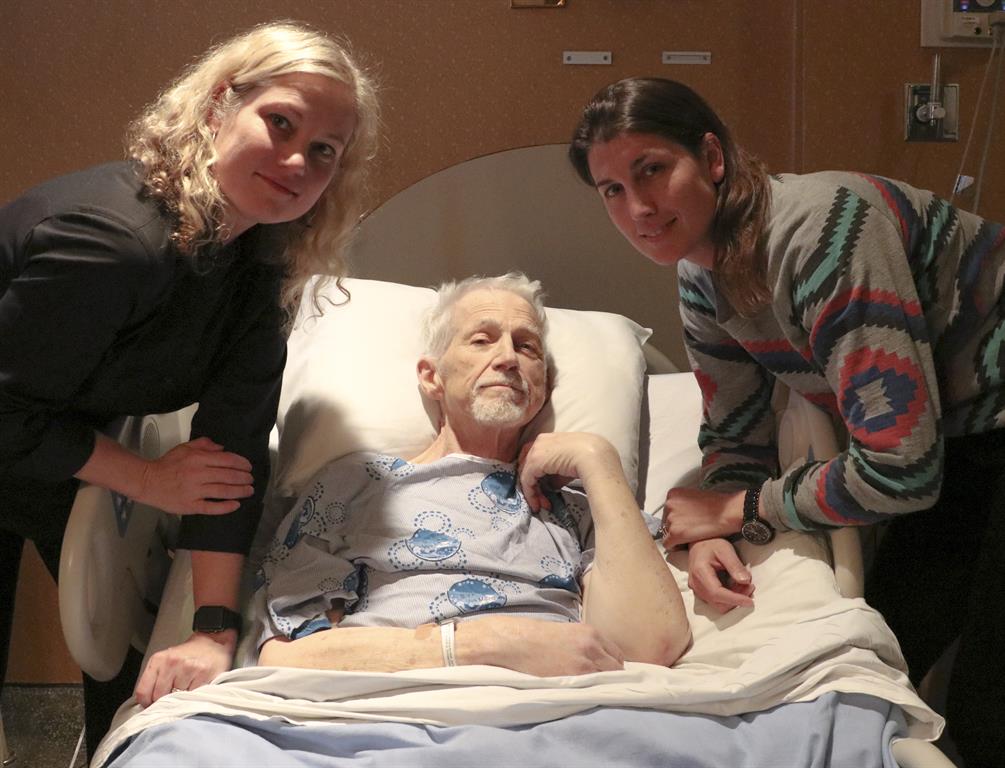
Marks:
<point>438,328</point>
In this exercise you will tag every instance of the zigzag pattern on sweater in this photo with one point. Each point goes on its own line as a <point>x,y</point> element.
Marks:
<point>990,373</point>
<point>882,397</point>
<point>919,479</point>
<point>910,225</point>
<point>943,222</point>
<point>860,308</point>
<point>883,294</point>
<point>741,420</point>
<point>989,238</point>
<point>829,259</point>
<point>779,356</point>
<point>738,475</point>
<point>693,299</point>
<point>985,411</point>
<point>727,349</point>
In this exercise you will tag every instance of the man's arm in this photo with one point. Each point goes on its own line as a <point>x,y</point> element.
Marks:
<point>532,646</point>
<point>629,595</point>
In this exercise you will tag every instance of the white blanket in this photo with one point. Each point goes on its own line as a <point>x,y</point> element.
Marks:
<point>800,640</point>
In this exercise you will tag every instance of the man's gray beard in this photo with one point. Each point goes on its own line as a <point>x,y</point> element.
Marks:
<point>497,411</point>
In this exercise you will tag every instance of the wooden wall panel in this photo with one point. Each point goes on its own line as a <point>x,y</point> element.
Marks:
<point>806,85</point>
<point>38,652</point>
<point>858,55</point>
<point>461,78</point>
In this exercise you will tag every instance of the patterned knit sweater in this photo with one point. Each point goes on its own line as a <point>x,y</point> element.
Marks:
<point>887,312</point>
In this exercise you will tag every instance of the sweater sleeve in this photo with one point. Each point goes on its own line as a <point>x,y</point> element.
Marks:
<point>237,409</point>
<point>83,277</point>
<point>737,433</point>
<point>854,295</point>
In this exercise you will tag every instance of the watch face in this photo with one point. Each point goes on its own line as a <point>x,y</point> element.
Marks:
<point>757,531</point>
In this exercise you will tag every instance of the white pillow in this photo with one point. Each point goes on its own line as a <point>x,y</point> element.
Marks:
<point>673,457</point>
<point>350,381</point>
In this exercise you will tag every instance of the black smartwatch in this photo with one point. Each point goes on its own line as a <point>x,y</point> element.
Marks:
<point>215,618</point>
<point>755,528</point>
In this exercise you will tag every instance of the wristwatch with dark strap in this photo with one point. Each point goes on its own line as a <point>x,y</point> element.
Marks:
<point>755,528</point>
<point>215,618</point>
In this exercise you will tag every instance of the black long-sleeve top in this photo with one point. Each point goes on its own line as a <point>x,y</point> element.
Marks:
<point>100,316</point>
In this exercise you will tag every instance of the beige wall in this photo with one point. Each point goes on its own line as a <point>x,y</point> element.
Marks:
<point>461,78</point>
<point>807,85</point>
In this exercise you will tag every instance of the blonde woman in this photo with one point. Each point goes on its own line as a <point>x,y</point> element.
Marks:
<point>145,285</point>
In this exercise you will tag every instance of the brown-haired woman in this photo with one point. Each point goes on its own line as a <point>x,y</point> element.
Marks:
<point>878,302</point>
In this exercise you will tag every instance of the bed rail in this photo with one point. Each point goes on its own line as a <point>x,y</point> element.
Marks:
<point>116,556</point>
<point>99,558</point>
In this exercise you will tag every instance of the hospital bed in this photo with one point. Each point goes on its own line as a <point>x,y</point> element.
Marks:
<point>349,385</point>
<point>337,399</point>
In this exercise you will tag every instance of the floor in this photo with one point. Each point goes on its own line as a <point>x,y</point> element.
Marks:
<point>43,724</point>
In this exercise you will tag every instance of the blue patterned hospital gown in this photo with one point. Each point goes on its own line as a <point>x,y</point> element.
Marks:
<point>407,544</point>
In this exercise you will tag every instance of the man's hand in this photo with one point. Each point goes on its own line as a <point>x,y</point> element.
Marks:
<point>542,648</point>
<point>197,477</point>
<point>186,666</point>
<point>563,456</point>
<point>690,514</point>
<point>717,576</point>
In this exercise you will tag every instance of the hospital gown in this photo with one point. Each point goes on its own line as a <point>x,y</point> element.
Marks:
<point>406,544</point>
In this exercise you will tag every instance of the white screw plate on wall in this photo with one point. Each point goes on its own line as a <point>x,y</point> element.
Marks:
<point>586,57</point>
<point>687,57</point>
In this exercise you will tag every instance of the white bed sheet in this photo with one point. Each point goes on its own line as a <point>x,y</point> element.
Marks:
<point>801,640</point>
<point>793,645</point>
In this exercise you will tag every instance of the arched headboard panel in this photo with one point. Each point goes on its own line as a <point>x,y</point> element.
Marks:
<point>520,209</point>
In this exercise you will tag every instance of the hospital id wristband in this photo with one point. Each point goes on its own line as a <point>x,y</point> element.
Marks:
<point>447,645</point>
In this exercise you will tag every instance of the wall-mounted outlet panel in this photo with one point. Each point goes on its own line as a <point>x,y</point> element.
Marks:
<point>958,23</point>
<point>946,129</point>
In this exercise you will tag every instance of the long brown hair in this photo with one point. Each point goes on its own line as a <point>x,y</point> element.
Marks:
<point>673,111</point>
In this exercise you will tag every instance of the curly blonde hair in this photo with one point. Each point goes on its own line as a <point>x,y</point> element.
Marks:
<point>174,142</point>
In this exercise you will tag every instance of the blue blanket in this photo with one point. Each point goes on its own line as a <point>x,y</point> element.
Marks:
<point>833,731</point>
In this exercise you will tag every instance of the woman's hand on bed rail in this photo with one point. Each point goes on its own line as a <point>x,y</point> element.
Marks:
<point>197,477</point>
<point>717,576</point>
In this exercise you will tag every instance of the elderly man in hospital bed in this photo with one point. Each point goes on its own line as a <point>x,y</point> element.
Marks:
<point>469,532</point>
<point>466,605</point>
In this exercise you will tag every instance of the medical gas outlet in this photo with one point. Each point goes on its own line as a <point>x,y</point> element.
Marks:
<point>931,110</point>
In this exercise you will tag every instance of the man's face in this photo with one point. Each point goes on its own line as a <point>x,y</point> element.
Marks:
<point>494,370</point>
